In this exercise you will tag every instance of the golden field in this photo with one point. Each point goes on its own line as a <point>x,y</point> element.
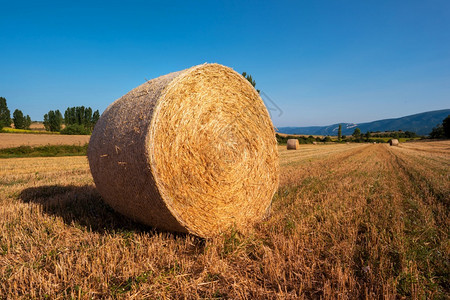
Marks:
<point>348,221</point>
<point>8,140</point>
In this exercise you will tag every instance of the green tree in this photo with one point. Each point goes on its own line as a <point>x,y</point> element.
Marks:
<point>327,139</point>
<point>410,134</point>
<point>437,132</point>
<point>367,135</point>
<point>87,120</point>
<point>95,118</point>
<point>75,129</point>
<point>340,133</point>
<point>5,114</point>
<point>57,121</point>
<point>446,126</point>
<point>81,116</point>
<point>27,122</point>
<point>46,122</point>
<point>250,79</point>
<point>357,133</point>
<point>53,120</point>
<point>70,116</point>
<point>18,119</point>
<point>67,117</point>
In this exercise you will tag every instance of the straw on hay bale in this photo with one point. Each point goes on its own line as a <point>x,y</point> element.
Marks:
<point>393,142</point>
<point>292,144</point>
<point>192,151</point>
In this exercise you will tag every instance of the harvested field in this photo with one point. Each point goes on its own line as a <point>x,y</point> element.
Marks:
<point>348,221</point>
<point>310,152</point>
<point>37,126</point>
<point>8,140</point>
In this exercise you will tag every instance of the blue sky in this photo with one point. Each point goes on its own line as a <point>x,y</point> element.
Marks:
<point>321,62</point>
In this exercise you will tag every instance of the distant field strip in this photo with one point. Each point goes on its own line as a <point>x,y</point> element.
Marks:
<point>358,221</point>
<point>8,140</point>
<point>310,152</point>
<point>46,167</point>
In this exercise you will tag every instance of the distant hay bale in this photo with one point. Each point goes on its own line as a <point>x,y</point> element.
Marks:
<point>314,143</point>
<point>193,151</point>
<point>393,142</point>
<point>347,143</point>
<point>293,144</point>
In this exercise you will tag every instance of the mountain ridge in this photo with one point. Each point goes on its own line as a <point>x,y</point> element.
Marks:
<point>420,123</point>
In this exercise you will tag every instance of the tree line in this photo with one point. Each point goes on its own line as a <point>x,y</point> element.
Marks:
<point>19,120</point>
<point>395,134</point>
<point>77,120</point>
<point>441,130</point>
<point>369,136</point>
<point>358,136</point>
<point>302,139</point>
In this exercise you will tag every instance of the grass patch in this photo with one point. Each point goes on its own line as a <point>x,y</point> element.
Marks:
<point>44,151</point>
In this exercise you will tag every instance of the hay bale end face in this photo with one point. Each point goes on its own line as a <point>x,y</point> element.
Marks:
<point>292,144</point>
<point>393,142</point>
<point>193,151</point>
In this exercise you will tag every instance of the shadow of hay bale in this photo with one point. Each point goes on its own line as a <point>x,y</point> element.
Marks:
<point>81,206</point>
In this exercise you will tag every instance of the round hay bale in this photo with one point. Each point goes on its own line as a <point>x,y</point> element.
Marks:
<point>393,142</point>
<point>193,151</point>
<point>292,144</point>
<point>314,143</point>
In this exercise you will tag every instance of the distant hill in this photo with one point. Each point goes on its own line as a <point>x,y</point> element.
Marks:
<point>421,124</point>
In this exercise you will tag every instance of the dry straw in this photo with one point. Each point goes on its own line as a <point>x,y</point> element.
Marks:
<point>393,142</point>
<point>293,144</point>
<point>192,151</point>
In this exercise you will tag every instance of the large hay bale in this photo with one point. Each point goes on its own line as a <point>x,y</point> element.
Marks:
<point>393,142</point>
<point>192,151</point>
<point>292,144</point>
